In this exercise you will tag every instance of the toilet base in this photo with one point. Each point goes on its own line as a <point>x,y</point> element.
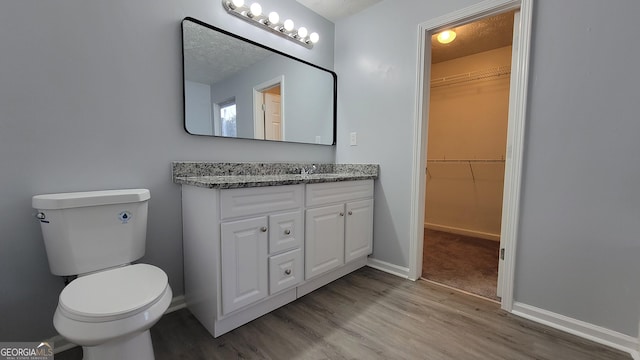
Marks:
<point>137,347</point>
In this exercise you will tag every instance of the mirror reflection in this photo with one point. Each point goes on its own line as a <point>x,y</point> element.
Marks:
<point>236,88</point>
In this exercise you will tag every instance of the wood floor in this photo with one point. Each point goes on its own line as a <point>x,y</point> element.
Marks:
<point>373,315</point>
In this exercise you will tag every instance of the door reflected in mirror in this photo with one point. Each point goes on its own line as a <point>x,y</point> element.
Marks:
<point>234,87</point>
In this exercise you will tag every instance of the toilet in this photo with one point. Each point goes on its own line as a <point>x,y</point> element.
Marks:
<point>111,305</point>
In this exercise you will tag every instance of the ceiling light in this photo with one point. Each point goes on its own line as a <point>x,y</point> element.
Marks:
<point>446,36</point>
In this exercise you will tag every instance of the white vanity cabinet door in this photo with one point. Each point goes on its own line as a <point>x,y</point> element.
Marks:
<point>358,229</point>
<point>324,239</point>
<point>244,262</point>
<point>285,231</point>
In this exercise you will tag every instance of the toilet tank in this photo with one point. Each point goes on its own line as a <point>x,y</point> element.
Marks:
<point>90,231</point>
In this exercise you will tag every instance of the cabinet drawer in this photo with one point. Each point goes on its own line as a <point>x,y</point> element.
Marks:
<point>285,231</point>
<point>260,200</point>
<point>327,193</point>
<point>285,270</point>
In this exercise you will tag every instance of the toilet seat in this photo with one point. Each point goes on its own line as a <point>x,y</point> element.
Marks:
<point>113,294</point>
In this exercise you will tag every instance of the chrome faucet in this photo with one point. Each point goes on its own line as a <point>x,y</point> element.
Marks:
<point>308,171</point>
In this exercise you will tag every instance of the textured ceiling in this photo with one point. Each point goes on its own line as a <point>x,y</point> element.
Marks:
<point>211,56</point>
<point>482,35</point>
<point>337,9</point>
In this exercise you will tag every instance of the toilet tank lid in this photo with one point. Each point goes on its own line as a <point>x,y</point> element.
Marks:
<point>89,198</point>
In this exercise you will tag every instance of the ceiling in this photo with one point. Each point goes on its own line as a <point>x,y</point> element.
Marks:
<point>482,35</point>
<point>337,9</point>
<point>211,56</point>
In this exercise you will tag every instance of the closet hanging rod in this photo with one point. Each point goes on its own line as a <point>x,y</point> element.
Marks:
<point>497,71</point>
<point>465,160</point>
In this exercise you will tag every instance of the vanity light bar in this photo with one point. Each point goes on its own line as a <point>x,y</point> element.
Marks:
<point>253,14</point>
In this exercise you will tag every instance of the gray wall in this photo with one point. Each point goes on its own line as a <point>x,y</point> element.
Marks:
<point>91,98</point>
<point>578,248</point>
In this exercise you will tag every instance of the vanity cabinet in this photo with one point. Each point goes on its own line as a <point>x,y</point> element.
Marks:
<point>258,253</point>
<point>338,224</point>
<point>247,250</point>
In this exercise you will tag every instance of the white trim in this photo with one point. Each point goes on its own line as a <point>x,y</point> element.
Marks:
<point>515,137</point>
<point>580,328</point>
<point>177,303</point>
<point>61,344</point>
<point>390,268</point>
<point>461,231</point>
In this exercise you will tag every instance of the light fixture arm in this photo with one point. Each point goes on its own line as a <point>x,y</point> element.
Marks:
<point>243,12</point>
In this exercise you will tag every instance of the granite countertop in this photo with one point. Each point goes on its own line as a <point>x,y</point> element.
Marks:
<point>244,175</point>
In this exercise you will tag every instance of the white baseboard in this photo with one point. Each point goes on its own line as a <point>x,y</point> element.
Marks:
<point>177,303</point>
<point>461,231</point>
<point>61,344</point>
<point>393,269</point>
<point>580,328</point>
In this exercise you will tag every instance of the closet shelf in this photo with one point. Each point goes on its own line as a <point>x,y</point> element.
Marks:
<point>495,72</point>
<point>465,161</point>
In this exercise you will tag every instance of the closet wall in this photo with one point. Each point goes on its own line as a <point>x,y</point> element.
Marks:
<point>466,144</point>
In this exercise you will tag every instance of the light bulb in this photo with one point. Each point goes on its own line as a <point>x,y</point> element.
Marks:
<point>237,3</point>
<point>302,32</point>
<point>274,17</point>
<point>288,24</point>
<point>255,9</point>
<point>314,37</point>
<point>446,37</point>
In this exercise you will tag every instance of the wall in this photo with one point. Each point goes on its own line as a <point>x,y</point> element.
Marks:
<point>468,121</point>
<point>578,245</point>
<point>91,98</point>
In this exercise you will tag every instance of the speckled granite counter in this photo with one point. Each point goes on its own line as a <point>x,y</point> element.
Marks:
<point>242,175</point>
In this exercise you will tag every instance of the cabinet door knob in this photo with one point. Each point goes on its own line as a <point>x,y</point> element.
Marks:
<point>287,272</point>
<point>263,229</point>
<point>350,212</point>
<point>341,214</point>
<point>287,232</point>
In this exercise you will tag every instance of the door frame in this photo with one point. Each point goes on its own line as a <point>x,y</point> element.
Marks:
<point>258,127</point>
<point>515,132</point>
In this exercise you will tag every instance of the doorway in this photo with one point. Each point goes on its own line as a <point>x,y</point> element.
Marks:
<point>268,110</point>
<point>515,133</point>
<point>466,148</point>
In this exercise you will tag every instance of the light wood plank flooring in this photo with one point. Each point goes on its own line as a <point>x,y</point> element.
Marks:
<point>373,315</point>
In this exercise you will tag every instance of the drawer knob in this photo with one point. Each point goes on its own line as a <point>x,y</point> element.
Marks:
<point>350,212</point>
<point>341,214</point>
<point>287,272</point>
<point>263,229</point>
<point>287,232</point>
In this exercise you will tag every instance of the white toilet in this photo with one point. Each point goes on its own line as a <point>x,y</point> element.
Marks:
<point>110,307</point>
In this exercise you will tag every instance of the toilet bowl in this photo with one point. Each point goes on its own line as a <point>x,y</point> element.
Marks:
<point>109,313</point>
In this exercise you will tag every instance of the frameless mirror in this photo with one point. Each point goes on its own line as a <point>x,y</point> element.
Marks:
<point>234,87</point>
